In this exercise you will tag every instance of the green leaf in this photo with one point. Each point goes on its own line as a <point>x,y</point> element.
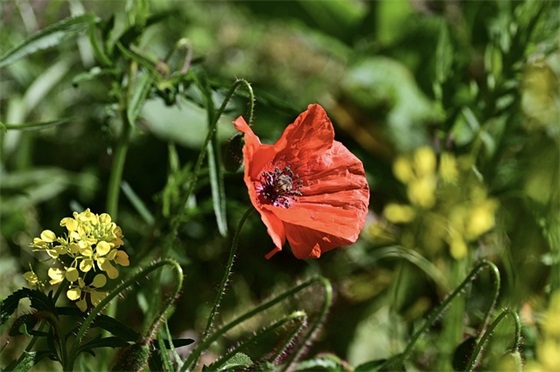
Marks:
<point>39,301</point>
<point>443,55</point>
<point>97,342</point>
<point>324,362</point>
<point>216,172</point>
<point>141,90</point>
<point>116,327</point>
<point>48,37</point>
<point>140,59</point>
<point>138,203</point>
<point>238,361</point>
<point>98,46</point>
<point>28,361</point>
<point>37,125</point>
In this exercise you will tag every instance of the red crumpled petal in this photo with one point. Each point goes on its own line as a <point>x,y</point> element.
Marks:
<point>335,195</point>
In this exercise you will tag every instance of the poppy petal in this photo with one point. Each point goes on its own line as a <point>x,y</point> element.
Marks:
<point>334,198</point>
<point>309,243</point>
<point>310,134</point>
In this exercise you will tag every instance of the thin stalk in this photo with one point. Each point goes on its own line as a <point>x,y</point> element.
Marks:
<point>473,360</point>
<point>119,156</point>
<point>227,273</point>
<point>438,312</point>
<point>205,343</point>
<point>203,149</point>
<point>294,357</point>
<point>115,292</point>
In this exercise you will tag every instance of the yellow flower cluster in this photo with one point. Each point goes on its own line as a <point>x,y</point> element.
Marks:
<point>91,245</point>
<point>448,204</point>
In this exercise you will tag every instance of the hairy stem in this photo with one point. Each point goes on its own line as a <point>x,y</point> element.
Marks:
<point>205,343</point>
<point>438,311</point>
<point>227,273</point>
<point>473,360</point>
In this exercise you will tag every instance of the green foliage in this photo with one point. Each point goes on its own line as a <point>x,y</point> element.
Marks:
<point>136,99</point>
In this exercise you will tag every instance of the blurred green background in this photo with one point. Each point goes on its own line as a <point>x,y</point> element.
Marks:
<point>476,80</point>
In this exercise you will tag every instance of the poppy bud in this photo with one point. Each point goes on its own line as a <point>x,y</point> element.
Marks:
<point>232,153</point>
<point>134,357</point>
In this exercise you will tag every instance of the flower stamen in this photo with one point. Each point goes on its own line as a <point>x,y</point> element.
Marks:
<point>279,187</point>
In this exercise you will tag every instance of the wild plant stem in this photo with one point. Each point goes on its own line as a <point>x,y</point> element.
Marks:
<point>438,311</point>
<point>227,273</point>
<point>176,221</point>
<point>205,343</point>
<point>482,341</point>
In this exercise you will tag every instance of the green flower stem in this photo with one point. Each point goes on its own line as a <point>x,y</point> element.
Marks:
<point>115,292</point>
<point>486,336</point>
<point>438,312</point>
<point>119,158</point>
<point>294,357</point>
<point>205,343</point>
<point>227,273</point>
<point>176,221</point>
<point>297,317</point>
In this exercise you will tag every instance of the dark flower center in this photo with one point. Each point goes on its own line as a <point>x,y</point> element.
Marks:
<point>279,187</point>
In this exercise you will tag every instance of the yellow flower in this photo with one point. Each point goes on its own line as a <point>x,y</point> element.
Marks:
<point>424,161</point>
<point>78,292</point>
<point>56,275</point>
<point>402,169</point>
<point>31,278</point>
<point>448,168</point>
<point>398,213</point>
<point>481,218</point>
<point>421,191</point>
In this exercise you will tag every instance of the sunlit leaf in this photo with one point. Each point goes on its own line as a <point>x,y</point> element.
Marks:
<point>48,37</point>
<point>37,125</point>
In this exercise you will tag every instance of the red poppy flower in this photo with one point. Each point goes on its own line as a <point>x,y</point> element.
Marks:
<point>307,187</point>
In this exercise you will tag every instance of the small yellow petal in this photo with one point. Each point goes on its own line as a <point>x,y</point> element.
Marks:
<point>122,258</point>
<point>97,297</point>
<point>82,305</point>
<point>99,281</point>
<point>112,273</point>
<point>72,274</point>
<point>48,236</point>
<point>103,248</point>
<point>73,294</point>
<point>86,265</point>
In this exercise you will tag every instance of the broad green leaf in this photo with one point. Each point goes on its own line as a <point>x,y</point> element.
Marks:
<point>37,125</point>
<point>48,37</point>
<point>383,84</point>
